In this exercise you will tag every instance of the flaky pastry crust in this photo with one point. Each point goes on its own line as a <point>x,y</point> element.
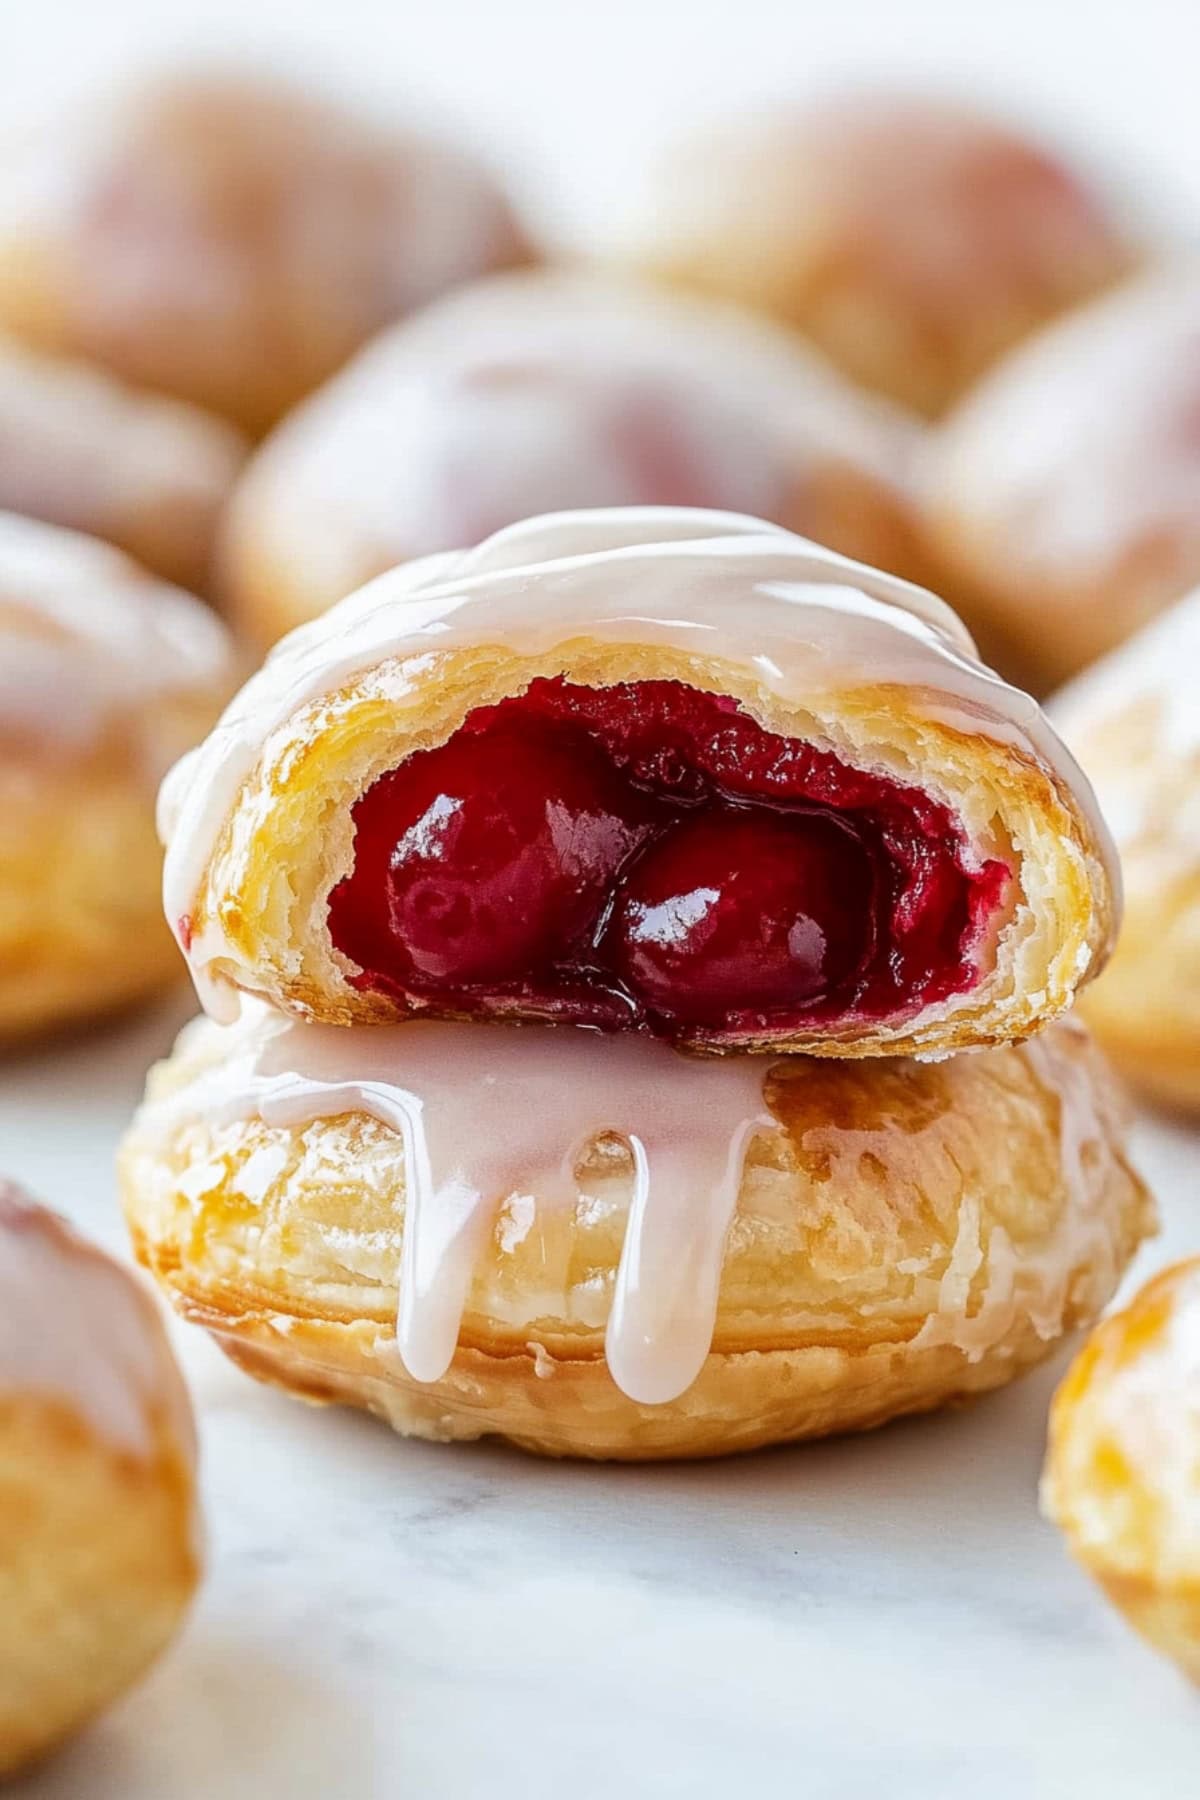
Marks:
<point>908,1235</point>
<point>1122,1474</point>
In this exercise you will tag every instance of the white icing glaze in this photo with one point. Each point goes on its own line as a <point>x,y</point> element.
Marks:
<point>495,1117</point>
<point>532,392</point>
<point>487,1113</point>
<point>87,639</point>
<point>77,1327</point>
<point>807,621</point>
<point>1084,446</point>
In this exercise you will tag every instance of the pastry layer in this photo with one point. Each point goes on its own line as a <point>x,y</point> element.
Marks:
<point>902,1234</point>
<point>833,658</point>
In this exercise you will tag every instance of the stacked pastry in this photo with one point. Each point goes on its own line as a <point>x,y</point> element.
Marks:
<point>587,924</point>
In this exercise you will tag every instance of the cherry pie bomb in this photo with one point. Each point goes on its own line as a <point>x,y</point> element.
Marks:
<point>477,855</point>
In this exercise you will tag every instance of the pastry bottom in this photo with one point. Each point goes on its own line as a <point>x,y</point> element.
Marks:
<point>909,1235</point>
<point>97,1566</point>
<point>81,926</point>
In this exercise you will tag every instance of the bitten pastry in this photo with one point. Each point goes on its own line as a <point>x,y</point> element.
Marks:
<point>82,449</point>
<point>912,239</point>
<point>230,240</point>
<point>1123,1470</point>
<point>1134,722</point>
<point>596,1247</point>
<point>546,390</point>
<point>99,1536</point>
<point>106,676</point>
<point>660,770</point>
<point>1064,496</point>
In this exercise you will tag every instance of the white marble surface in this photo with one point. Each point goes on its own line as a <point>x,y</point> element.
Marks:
<point>380,1618</point>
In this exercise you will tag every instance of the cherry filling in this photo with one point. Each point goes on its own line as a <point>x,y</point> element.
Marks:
<point>648,856</point>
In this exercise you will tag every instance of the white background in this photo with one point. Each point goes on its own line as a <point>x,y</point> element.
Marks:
<point>886,1615</point>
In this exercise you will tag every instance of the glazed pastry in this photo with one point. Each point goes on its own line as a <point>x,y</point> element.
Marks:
<point>596,1247</point>
<point>106,675</point>
<point>231,241</point>
<point>1123,1470</point>
<point>1135,725</point>
<point>913,240</point>
<point>80,448</point>
<point>662,770</point>
<point>99,1538</point>
<point>539,391</point>
<point>1064,496</point>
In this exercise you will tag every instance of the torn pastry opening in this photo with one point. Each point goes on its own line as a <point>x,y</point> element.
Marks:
<point>648,856</point>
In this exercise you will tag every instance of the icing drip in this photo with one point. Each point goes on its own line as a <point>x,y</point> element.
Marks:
<point>487,1114</point>
<point>709,584</point>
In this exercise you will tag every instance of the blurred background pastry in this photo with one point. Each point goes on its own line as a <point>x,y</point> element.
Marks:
<point>1122,1474</point>
<point>912,239</point>
<point>231,240</point>
<point>106,676</point>
<point>99,1532</point>
<point>81,448</point>
<point>1134,721</point>
<point>542,391</point>
<point>1064,494</point>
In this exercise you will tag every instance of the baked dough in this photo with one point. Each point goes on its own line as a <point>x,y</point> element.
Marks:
<point>903,1234</point>
<point>544,390</point>
<point>913,240</point>
<point>1122,1475</point>
<point>106,675</point>
<point>231,240</point>
<point>1134,722</point>
<point>99,1551</point>
<point>1063,497</point>
<point>82,449</point>
<point>258,822</point>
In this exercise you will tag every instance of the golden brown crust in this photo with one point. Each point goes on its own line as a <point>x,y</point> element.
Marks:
<point>910,1235</point>
<point>289,838</point>
<point>294,229</point>
<point>1122,1474</point>
<point>913,241</point>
